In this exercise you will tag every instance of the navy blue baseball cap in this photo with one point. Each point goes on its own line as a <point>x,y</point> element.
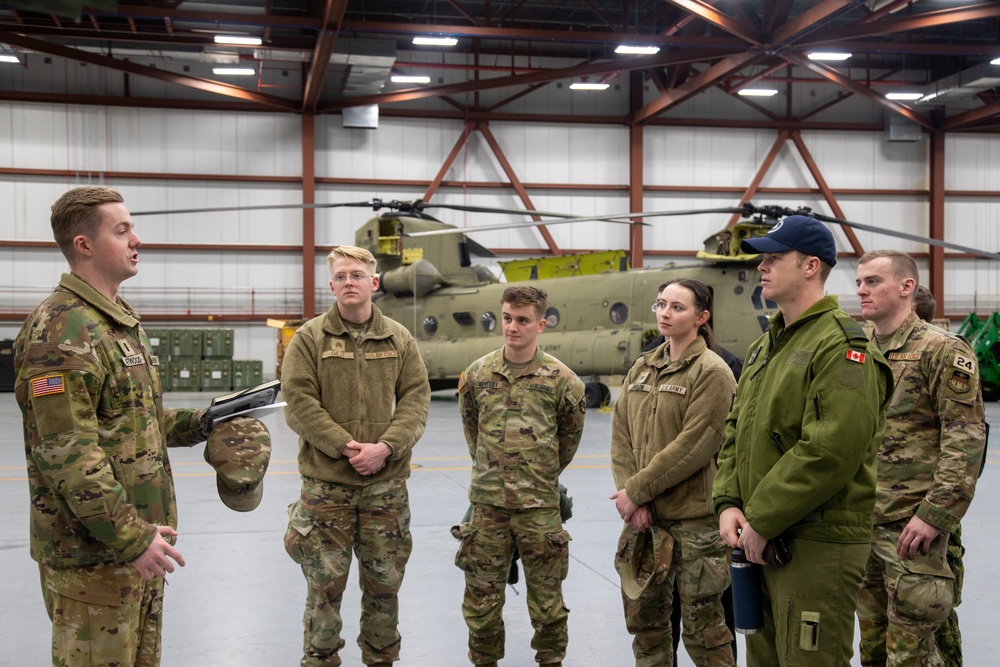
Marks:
<point>796,232</point>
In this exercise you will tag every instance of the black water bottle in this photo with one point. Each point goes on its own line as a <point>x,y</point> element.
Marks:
<point>748,609</point>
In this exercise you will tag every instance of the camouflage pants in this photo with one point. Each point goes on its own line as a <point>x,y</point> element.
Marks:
<point>809,606</point>
<point>488,540</point>
<point>700,571</point>
<point>949,636</point>
<point>324,526</point>
<point>103,614</point>
<point>903,603</point>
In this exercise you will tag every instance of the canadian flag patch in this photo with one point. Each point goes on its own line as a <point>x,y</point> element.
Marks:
<point>854,355</point>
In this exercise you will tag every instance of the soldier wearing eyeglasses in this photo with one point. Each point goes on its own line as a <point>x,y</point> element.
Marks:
<point>358,397</point>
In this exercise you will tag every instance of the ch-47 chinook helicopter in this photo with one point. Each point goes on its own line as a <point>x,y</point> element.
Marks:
<point>597,324</point>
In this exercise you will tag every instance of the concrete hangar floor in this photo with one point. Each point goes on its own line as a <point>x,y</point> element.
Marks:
<point>239,601</point>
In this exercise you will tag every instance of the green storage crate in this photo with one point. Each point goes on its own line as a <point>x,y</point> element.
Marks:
<point>216,374</point>
<point>247,373</point>
<point>217,343</point>
<point>159,340</point>
<point>185,343</point>
<point>185,374</point>
<point>164,370</point>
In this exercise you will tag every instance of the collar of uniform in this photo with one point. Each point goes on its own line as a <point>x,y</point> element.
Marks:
<point>900,335</point>
<point>535,367</point>
<point>659,357</point>
<point>118,310</point>
<point>824,305</point>
<point>334,324</point>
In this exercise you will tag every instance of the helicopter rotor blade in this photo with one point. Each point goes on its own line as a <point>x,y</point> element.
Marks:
<point>374,204</point>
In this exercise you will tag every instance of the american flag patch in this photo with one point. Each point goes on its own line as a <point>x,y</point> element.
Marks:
<point>47,385</point>
<point>854,355</point>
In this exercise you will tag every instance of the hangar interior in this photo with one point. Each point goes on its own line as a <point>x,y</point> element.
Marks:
<point>126,95</point>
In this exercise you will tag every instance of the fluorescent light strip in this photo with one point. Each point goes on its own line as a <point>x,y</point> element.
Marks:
<point>641,50</point>
<point>905,97</point>
<point>234,71</point>
<point>435,41</point>
<point>588,86</point>
<point>6,58</point>
<point>829,55</point>
<point>995,61</point>
<point>757,92</point>
<point>403,78</point>
<point>239,41</point>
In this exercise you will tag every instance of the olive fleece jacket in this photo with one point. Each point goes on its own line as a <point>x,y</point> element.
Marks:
<point>374,389</point>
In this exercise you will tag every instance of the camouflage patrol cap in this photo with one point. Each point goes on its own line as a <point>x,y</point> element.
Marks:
<point>239,449</point>
<point>641,557</point>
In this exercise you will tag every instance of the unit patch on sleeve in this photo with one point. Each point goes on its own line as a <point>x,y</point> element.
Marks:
<point>959,382</point>
<point>48,385</point>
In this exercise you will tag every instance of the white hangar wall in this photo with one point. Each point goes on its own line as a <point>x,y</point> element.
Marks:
<point>201,156</point>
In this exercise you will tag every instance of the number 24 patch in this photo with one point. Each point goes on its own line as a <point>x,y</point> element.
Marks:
<point>967,364</point>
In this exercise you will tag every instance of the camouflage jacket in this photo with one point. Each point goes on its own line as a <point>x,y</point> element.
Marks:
<point>804,431</point>
<point>522,431</point>
<point>935,432</point>
<point>337,389</point>
<point>667,430</point>
<point>95,430</point>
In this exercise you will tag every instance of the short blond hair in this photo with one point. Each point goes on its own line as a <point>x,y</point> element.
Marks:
<point>78,212</point>
<point>351,252</point>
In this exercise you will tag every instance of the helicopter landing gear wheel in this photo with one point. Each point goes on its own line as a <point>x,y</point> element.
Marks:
<point>596,394</point>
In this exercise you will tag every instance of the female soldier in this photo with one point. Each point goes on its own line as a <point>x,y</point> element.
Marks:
<point>667,429</point>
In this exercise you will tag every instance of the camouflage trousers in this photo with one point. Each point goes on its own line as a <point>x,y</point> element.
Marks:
<point>488,540</point>
<point>328,522</point>
<point>949,636</point>
<point>809,606</point>
<point>903,603</point>
<point>700,571</point>
<point>103,615</point>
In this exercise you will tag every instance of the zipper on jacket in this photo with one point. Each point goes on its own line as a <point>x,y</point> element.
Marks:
<point>776,439</point>
<point>816,405</point>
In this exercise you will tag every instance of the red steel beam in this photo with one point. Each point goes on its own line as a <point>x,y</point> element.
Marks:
<point>636,176</point>
<point>765,166</point>
<point>711,15</point>
<point>132,68</point>
<point>968,118</point>
<point>831,74</point>
<point>935,266</point>
<point>828,195</point>
<point>448,161</point>
<point>333,15</point>
<point>308,215</point>
<point>802,24</point>
<point>518,186</point>
<point>694,85</point>
<point>911,23</point>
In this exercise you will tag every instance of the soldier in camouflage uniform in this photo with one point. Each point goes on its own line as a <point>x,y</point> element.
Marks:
<point>667,429</point>
<point>927,468</point>
<point>358,397</point>
<point>522,412</point>
<point>103,513</point>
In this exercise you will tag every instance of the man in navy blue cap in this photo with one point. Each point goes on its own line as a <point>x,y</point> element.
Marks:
<point>798,461</point>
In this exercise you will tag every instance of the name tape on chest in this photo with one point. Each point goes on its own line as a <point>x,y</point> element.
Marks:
<point>904,356</point>
<point>673,389</point>
<point>638,386</point>
<point>541,387</point>
<point>385,354</point>
<point>134,360</point>
<point>53,384</point>
<point>338,354</point>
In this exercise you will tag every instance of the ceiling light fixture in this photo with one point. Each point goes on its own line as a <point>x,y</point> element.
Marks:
<point>757,92</point>
<point>905,97</point>
<point>435,41</point>
<point>995,61</point>
<point>234,71</point>
<point>583,85</point>
<point>829,55</point>
<point>239,41</point>
<point>405,78</point>
<point>9,58</point>
<point>633,49</point>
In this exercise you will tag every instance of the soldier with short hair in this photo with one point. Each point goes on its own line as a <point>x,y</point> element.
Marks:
<point>103,512</point>
<point>522,412</point>
<point>927,468</point>
<point>358,397</point>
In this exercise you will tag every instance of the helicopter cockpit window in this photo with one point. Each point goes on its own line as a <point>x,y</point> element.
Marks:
<point>552,316</point>
<point>489,321</point>
<point>618,313</point>
<point>430,325</point>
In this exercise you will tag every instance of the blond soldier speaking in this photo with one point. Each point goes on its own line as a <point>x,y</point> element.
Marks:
<point>522,411</point>
<point>358,397</point>
<point>927,468</point>
<point>103,512</point>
